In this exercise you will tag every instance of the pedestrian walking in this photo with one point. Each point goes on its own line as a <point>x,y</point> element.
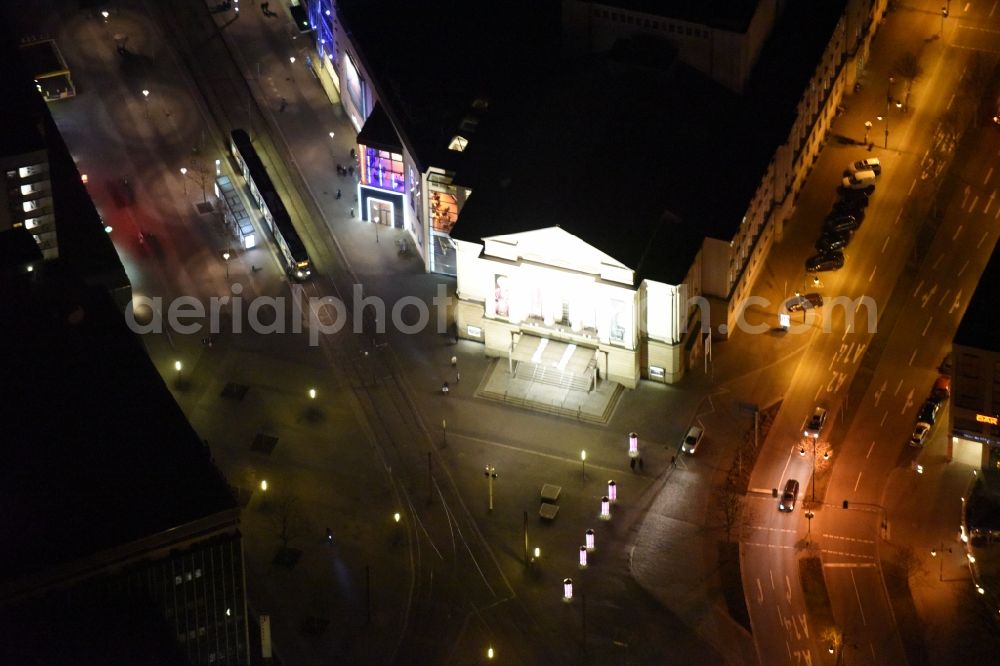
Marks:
<point>354,155</point>
<point>350,170</point>
<point>284,103</point>
<point>458,377</point>
<point>338,194</point>
<point>352,212</point>
<point>444,388</point>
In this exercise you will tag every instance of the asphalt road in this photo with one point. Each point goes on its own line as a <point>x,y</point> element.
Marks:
<point>874,259</point>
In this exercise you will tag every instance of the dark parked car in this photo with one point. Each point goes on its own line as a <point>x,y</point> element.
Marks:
<point>840,223</point>
<point>928,413</point>
<point>831,241</point>
<point>804,302</point>
<point>859,197</point>
<point>825,262</point>
<point>844,207</point>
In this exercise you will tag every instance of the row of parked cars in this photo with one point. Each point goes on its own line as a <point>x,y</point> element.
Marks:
<point>848,213</point>
<point>929,410</point>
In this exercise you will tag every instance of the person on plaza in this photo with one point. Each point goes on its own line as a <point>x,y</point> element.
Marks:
<point>284,103</point>
<point>444,388</point>
<point>338,194</point>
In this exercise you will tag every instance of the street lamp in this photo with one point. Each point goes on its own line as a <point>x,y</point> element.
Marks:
<point>184,172</point>
<point>491,473</point>
<point>868,129</point>
<point>178,366</point>
<point>583,464</point>
<point>225,256</point>
<point>489,652</point>
<point>312,394</point>
<point>145,101</point>
<point>826,456</point>
<point>944,15</point>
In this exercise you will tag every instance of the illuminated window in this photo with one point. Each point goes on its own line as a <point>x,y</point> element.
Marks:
<point>383,169</point>
<point>458,144</point>
<point>31,223</point>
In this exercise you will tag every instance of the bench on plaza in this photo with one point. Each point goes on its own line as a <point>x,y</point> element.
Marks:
<point>550,492</point>
<point>548,511</point>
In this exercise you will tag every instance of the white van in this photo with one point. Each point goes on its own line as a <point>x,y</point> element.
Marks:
<point>859,180</point>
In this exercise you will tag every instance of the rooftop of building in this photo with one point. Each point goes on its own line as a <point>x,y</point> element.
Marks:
<point>21,118</point>
<point>634,152</point>
<point>978,328</point>
<point>432,60</point>
<point>96,451</point>
<point>42,57</point>
<point>734,15</point>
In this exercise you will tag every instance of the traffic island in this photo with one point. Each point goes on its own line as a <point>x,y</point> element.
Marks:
<point>816,595</point>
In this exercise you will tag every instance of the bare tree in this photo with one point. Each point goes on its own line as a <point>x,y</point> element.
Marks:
<point>287,519</point>
<point>908,66</point>
<point>731,508</point>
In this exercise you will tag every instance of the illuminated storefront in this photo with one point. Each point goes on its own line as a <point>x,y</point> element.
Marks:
<point>546,297</point>
<point>382,185</point>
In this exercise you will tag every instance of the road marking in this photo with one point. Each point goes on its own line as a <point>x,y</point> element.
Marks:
<point>943,296</point>
<point>898,216</point>
<point>993,8</point>
<point>937,261</point>
<point>766,545</point>
<point>849,565</point>
<point>873,273</point>
<point>860,350</point>
<point>838,378</point>
<point>843,553</point>
<point>885,243</point>
<point>912,356</point>
<point>989,203</point>
<point>843,538</point>
<point>772,529</point>
<point>908,403</point>
<point>954,305</point>
<point>965,196</point>
<point>856,483</point>
<point>880,391</point>
<point>917,290</point>
<point>948,108</point>
<point>858,595</point>
<point>972,206</point>
<point>926,326</point>
<point>896,392</point>
<point>818,391</point>
<point>788,589</point>
<point>928,295</point>
<point>770,574</point>
<point>766,491</point>
<point>912,186</point>
<point>760,592</point>
<point>869,454</point>
<point>957,232</point>
<point>882,422</point>
<point>964,266</point>
<point>988,174</point>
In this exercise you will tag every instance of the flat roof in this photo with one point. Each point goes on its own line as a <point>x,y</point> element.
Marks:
<point>734,15</point>
<point>978,327</point>
<point>621,150</point>
<point>42,57</point>
<point>21,114</point>
<point>431,60</point>
<point>96,451</point>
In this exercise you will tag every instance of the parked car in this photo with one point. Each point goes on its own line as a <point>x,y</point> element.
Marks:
<point>692,439</point>
<point>860,180</point>
<point>858,197</point>
<point>942,389</point>
<point>928,412</point>
<point>804,302</point>
<point>788,497</point>
<point>816,422</point>
<point>919,433</point>
<point>825,262</point>
<point>831,241</point>
<point>839,223</point>
<point>945,367</point>
<point>851,207</point>
<point>870,164</point>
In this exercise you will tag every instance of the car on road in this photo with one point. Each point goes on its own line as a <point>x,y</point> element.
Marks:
<point>825,262</point>
<point>840,223</point>
<point>692,439</point>
<point>832,241</point>
<point>942,389</point>
<point>870,164</point>
<point>788,497</point>
<point>919,433</point>
<point>860,180</point>
<point>816,422</point>
<point>804,302</point>
<point>929,410</point>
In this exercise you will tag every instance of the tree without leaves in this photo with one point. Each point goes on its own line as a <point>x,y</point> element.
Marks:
<point>287,519</point>
<point>731,508</point>
<point>908,67</point>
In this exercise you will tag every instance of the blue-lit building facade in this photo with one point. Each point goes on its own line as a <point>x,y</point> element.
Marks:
<point>396,188</point>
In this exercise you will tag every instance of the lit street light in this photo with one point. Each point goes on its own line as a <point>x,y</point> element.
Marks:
<point>868,129</point>
<point>184,172</point>
<point>263,485</point>
<point>145,100</point>
<point>312,391</point>
<point>225,256</point>
<point>583,463</point>
<point>491,473</point>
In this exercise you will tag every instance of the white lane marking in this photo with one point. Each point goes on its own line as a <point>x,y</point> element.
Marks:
<point>964,266</point>
<point>884,243</point>
<point>898,386</point>
<point>870,542</point>
<point>766,545</point>
<point>856,483</point>
<point>880,391</point>
<point>787,462</point>
<point>944,296</point>
<point>873,274</point>
<point>937,261</point>
<point>965,196</point>
<point>788,589</point>
<point>957,232</point>
<point>917,290</point>
<point>858,595</point>
<point>988,174</point>
<point>898,216</point>
<point>849,565</point>
<point>972,206</point>
<point>860,350</point>
<point>989,202</point>
<point>928,295</point>
<point>926,326</point>
<point>912,356</point>
<point>912,186</point>
<point>844,553</point>
<point>908,403</point>
<point>818,391</point>
<point>950,102</point>
<point>882,422</point>
<point>993,8</point>
<point>770,574</point>
<point>869,454</point>
<point>760,592</point>
<point>958,298</point>
<point>980,243</point>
